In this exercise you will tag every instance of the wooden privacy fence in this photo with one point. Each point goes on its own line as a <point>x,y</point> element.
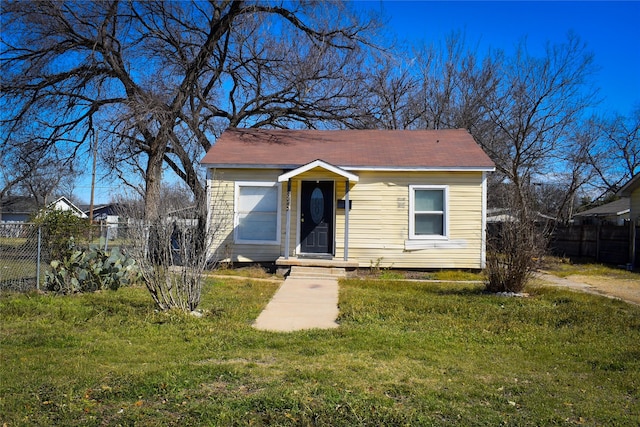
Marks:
<point>611,244</point>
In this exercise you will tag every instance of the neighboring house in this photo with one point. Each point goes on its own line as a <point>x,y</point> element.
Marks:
<point>24,208</point>
<point>416,199</point>
<point>632,190</point>
<point>63,204</point>
<point>615,213</point>
<point>17,209</point>
<point>106,215</point>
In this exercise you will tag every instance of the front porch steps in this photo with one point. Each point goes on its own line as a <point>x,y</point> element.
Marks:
<point>316,268</point>
<point>302,272</point>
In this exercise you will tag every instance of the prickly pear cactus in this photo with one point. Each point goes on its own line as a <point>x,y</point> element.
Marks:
<point>91,270</point>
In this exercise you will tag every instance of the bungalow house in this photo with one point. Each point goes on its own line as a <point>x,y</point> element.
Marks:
<point>350,198</point>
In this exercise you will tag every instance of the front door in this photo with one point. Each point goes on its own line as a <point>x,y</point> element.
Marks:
<point>316,217</point>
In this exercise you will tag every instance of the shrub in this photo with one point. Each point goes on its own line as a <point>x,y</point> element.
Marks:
<point>512,253</point>
<point>61,232</point>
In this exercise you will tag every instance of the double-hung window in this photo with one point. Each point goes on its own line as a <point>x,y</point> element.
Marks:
<point>428,217</point>
<point>257,213</point>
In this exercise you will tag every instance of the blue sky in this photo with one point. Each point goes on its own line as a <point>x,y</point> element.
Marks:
<point>610,29</point>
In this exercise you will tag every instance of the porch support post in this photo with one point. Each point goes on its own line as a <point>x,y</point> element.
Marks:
<point>288,229</point>
<point>346,221</point>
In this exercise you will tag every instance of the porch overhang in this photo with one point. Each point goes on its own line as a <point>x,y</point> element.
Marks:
<point>347,176</point>
<point>318,164</point>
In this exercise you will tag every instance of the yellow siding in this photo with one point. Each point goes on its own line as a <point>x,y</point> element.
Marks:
<point>378,221</point>
<point>222,196</point>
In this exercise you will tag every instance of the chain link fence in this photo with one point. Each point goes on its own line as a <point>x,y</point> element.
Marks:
<point>25,255</point>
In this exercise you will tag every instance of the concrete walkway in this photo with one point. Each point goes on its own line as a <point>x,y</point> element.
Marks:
<point>301,303</point>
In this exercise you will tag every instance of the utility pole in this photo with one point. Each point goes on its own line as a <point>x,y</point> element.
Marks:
<point>93,174</point>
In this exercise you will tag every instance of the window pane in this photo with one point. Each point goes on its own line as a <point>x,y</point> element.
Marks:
<point>429,200</point>
<point>257,213</point>
<point>257,226</point>
<point>429,224</point>
<point>258,199</point>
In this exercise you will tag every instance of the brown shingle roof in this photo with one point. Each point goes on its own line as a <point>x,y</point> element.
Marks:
<point>423,149</point>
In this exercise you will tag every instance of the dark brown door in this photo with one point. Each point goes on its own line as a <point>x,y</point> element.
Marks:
<point>316,217</point>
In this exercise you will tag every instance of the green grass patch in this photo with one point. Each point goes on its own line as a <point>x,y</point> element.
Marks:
<point>405,354</point>
<point>441,275</point>
<point>251,271</point>
<point>17,268</point>
<point>457,275</point>
<point>12,242</point>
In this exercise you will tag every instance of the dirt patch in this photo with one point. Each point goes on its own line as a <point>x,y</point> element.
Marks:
<point>625,289</point>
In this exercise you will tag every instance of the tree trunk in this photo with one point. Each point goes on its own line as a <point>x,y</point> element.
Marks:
<point>153,183</point>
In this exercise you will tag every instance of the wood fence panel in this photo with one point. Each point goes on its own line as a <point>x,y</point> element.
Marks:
<point>603,243</point>
<point>637,249</point>
<point>613,244</point>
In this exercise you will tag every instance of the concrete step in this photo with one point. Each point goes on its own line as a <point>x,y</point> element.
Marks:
<point>317,272</point>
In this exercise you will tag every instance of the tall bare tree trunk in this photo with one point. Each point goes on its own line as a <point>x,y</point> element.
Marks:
<point>153,183</point>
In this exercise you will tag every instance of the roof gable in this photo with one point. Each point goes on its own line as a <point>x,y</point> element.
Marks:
<point>318,164</point>
<point>348,149</point>
<point>63,204</point>
<point>630,186</point>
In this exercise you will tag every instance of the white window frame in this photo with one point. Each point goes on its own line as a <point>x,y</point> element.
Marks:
<point>236,212</point>
<point>444,212</point>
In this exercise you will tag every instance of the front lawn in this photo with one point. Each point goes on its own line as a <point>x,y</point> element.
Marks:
<point>406,354</point>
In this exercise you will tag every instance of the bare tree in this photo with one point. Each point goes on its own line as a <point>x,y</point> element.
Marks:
<point>49,180</point>
<point>28,170</point>
<point>391,88</point>
<point>575,174</point>
<point>615,153</point>
<point>512,249</point>
<point>531,113</point>
<point>442,86</point>
<point>530,119</point>
<point>162,79</point>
